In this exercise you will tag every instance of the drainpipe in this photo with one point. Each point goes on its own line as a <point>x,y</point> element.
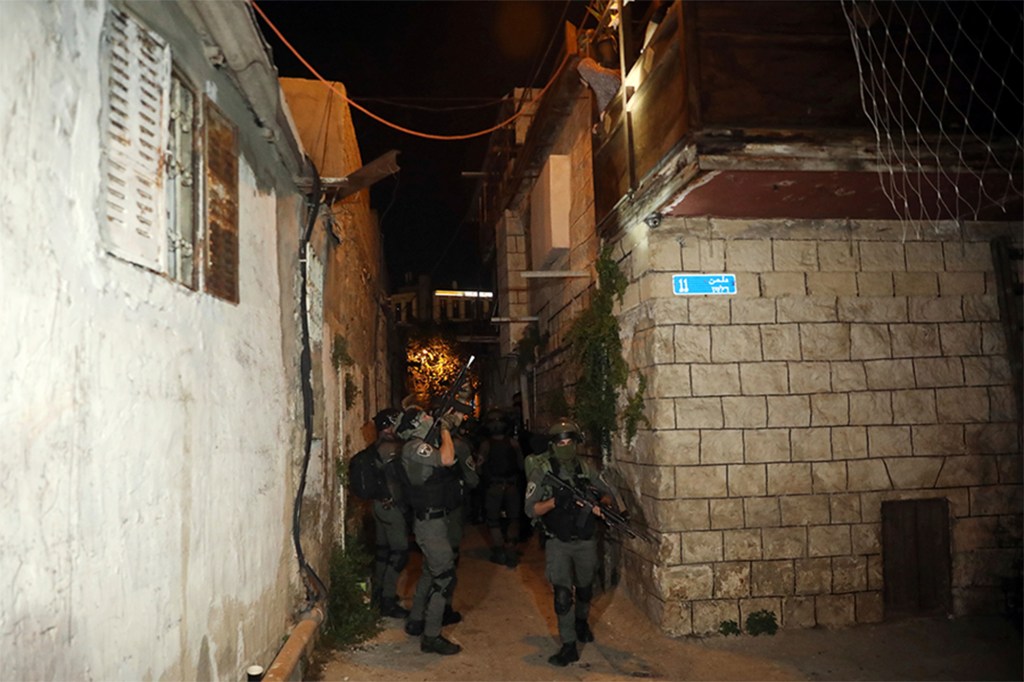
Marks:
<point>299,644</point>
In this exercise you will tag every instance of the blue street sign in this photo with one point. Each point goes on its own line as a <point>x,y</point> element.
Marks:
<point>701,285</point>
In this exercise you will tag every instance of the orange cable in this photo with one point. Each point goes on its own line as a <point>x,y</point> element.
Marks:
<point>429,136</point>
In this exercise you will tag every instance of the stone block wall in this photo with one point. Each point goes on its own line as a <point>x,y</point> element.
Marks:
<point>858,363</point>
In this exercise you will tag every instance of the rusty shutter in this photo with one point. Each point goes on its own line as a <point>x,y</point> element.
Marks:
<point>916,559</point>
<point>221,146</point>
<point>136,117</point>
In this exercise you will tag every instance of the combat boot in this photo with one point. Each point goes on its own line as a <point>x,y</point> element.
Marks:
<point>498,555</point>
<point>414,627</point>
<point>583,631</point>
<point>439,645</point>
<point>451,616</point>
<point>390,608</point>
<point>511,557</point>
<point>566,655</point>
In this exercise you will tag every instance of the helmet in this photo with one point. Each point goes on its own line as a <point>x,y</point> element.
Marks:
<point>563,428</point>
<point>386,418</point>
<point>414,422</point>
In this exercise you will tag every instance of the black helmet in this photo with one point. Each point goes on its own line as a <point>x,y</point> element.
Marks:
<point>386,418</point>
<point>564,428</point>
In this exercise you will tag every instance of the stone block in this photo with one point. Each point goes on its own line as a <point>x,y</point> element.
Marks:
<point>780,342</point>
<point>961,283</point>
<point>692,343</point>
<point>655,481</point>
<point>870,341</point>
<point>772,578</point>
<point>798,612</point>
<point>968,470</point>
<point>938,439</point>
<point>748,255</point>
<point>882,257</point>
<point>914,406</point>
<point>661,412</point>
<point>766,445</point>
<point>865,474</point>
<point>682,515</point>
<point>936,309</point>
<point>981,308</point>
<point>829,477</point>
<point>849,442</point>
<point>914,340</point>
<point>913,473</point>
<point>960,338</point>
<point>811,444</point>
<point>745,412</point>
<point>701,546</point>
<point>662,345</point>
<point>669,381</point>
<point>835,610</point>
<point>709,615</point>
<point>709,310</point>
<point>699,413</point>
<point>986,370</point>
<point>735,343</point>
<point>830,409</point>
<point>813,576</point>
<point>666,311</point>
<point>764,378</point>
<point>848,376</point>
<point>761,512</point>
<point>789,410</point>
<point>783,284</point>
<point>964,256</point>
<point>804,510</point>
<point>915,283</point>
<point>924,257</point>
<point>975,533</point>
<point>838,256</point>
<point>825,341</point>
<point>806,309</point>
<point>828,540</point>
<point>932,372</point>
<point>741,544</point>
<point>868,607</point>
<point>701,481</point>
<point>988,439</point>
<point>844,509</point>
<point>747,479</point>
<point>889,374</point>
<point>732,580</point>
<point>993,338</point>
<point>810,377</point>
<point>726,514</point>
<point>784,542</point>
<point>688,583</point>
<point>794,255</point>
<point>875,283</point>
<point>665,255</point>
<point>832,284</point>
<point>865,539</point>
<point>715,379</point>
<point>789,478</point>
<point>875,580</point>
<point>753,310</point>
<point>849,574</point>
<point>721,446</point>
<point>675,447</point>
<point>1002,404</point>
<point>877,309</point>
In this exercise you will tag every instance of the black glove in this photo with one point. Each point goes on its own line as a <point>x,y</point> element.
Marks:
<point>564,499</point>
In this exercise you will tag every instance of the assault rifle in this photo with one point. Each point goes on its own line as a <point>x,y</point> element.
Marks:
<point>449,401</point>
<point>590,497</point>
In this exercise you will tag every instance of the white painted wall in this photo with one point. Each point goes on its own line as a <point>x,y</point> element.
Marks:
<point>144,472</point>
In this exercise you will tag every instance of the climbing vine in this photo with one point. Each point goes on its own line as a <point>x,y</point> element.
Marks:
<point>634,412</point>
<point>597,350</point>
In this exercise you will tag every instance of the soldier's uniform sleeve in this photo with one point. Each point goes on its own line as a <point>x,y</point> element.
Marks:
<point>536,491</point>
<point>417,452</point>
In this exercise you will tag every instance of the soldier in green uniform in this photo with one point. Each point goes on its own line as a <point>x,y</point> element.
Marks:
<point>501,461</point>
<point>391,551</point>
<point>570,550</point>
<point>433,492</point>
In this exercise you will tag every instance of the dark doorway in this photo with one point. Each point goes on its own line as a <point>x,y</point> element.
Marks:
<point>916,560</point>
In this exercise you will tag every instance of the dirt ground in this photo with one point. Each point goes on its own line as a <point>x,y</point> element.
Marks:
<point>508,631</point>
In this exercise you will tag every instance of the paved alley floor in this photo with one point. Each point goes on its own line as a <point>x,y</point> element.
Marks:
<point>508,631</point>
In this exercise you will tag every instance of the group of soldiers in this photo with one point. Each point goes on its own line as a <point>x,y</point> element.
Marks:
<point>428,479</point>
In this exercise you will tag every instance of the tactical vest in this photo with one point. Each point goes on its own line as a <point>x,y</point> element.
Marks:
<point>577,523</point>
<point>441,490</point>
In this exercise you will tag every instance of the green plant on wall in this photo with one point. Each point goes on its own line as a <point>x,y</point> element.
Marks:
<point>761,622</point>
<point>351,391</point>
<point>350,616</point>
<point>634,413</point>
<point>597,351</point>
<point>339,353</point>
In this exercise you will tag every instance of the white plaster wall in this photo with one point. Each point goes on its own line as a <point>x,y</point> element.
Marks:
<point>143,472</point>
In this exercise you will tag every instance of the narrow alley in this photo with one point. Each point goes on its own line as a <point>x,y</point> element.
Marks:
<point>508,631</point>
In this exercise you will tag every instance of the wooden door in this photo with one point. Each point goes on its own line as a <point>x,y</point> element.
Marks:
<point>916,557</point>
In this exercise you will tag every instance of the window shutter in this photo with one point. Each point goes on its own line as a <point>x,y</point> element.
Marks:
<point>139,73</point>
<point>221,276</point>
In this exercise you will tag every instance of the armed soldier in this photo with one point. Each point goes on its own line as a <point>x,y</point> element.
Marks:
<point>501,462</point>
<point>569,527</point>
<point>392,532</point>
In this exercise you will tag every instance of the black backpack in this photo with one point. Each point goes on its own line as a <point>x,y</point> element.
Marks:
<point>365,477</point>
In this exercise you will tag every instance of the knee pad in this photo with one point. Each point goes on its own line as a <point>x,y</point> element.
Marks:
<point>585,594</point>
<point>398,559</point>
<point>563,600</point>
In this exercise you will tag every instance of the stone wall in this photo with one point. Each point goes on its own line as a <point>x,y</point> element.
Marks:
<point>857,363</point>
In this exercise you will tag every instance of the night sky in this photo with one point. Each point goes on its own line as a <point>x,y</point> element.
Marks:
<point>436,67</point>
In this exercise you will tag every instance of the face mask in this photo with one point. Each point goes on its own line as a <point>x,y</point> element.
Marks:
<point>564,452</point>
